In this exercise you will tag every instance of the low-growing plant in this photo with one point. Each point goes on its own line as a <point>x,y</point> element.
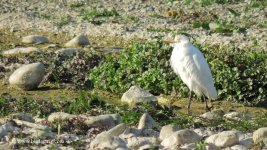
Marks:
<point>239,75</point>
<point>94,15</point>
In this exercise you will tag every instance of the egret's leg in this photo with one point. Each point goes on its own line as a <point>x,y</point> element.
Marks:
<point>206,101</point>
<point>189,103</point>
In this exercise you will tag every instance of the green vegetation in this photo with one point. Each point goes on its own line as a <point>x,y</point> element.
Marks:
<point>239,75</point>
<point>97,16</point>
<point>92,104</point>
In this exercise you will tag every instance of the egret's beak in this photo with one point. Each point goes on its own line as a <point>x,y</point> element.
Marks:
<point>169,41</point>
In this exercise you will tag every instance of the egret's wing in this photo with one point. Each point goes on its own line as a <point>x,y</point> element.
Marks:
<point>202,75</point>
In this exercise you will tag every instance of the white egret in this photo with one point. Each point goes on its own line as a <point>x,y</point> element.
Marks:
<point>189,63</point>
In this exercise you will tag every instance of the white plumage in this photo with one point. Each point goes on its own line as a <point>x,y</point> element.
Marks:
<point>189,63</point>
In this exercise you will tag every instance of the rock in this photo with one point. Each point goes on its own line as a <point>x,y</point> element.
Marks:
<point>106,141</point>
<point>237,147</point>
<point>67,51</point>
<point>24,117</point>
<point>140,132</point>
<point>211,115</point>
<point>42,134</point>
<point>137,142</point>
<point>34,39</point>
<point>7,127</point>
<point>79,40</point>
<point>237,116</point>
<point>22,50</point>
<point>247,142</point>
<point>189,146</point>
<point>117,130</point>
<point>180,137</point>
<point>210,146</point>
<point>28,77</point>
<point>31,125</point>
<point>204,132</point>
<point>224,139</point>
<point>167,131</point>
<point>107,121</point>
<point>55,147</point>
<point>260,135</point>
<point>68,138</point>
<point>59,116</point>
<point>147,122</point>
<point>136,94</point>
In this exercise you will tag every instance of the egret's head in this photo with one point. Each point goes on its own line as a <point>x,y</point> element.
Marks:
<point>178,39</point>
<point>181,38</point>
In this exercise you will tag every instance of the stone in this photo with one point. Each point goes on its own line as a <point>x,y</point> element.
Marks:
<point>204,132</point>
<point>24,117</point>
<point>27,77</point>
<point>34,39</point>
<point>167,131</point>
<point>224,139</point>
<point>260,135</point>
<point>237,147</point>
<point>147,122</point>
<point>79,40</point>
<point>59,116</point>
<point>67,51</point>
<point>31,125</point>
<point>6,128</point>
<point>247,142</point>
<point>136,94</point>
<point>237,116</point>
<point>140,132</point>
<point>106,141</point>
<point>42,134</point>
<point>137,142</point>
<point>211,115</point>
<point>21,50</point>
<point>117,130</point>
<point>107,121</point>
<point>180,137</point>
<point>189,146</point>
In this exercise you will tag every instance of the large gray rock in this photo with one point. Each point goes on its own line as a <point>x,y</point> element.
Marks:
<point>224,139</point>
<point>136,94</point>
<point>180,137</point>
<point>247,142</point>
<point>106,141</point>
<point>260,135</point>
<point>59,116</point>
<point>6,128</point>
<point>167,131</point>
<point>107,121</point>
<point>24,117</point>
<point>79,40</point>
<point>147,122</point>
<point>28,77</point>
<point>34,39</point>
<point>237,116</point>
<point>21,50</point>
